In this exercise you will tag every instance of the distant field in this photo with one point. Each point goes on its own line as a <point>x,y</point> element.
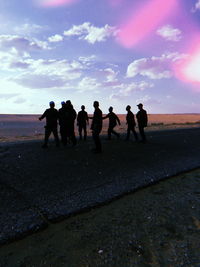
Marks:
<point>15,127</point>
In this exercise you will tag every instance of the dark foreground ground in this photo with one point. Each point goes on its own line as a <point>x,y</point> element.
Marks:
<point>39,187</point>
<point>155,226</point>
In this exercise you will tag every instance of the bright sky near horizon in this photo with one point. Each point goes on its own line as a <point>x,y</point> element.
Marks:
<point>119,52</point>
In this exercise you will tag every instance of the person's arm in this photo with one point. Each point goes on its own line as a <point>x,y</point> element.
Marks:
<point>43,116</point>
<point>107,116</point>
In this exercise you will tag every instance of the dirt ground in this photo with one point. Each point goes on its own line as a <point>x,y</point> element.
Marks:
<point>155,226</point>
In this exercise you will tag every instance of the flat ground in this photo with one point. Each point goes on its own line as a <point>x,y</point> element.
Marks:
<point>156,226</point>
<point>41,187</point>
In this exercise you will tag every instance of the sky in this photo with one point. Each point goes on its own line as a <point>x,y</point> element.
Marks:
<point>119,52</point>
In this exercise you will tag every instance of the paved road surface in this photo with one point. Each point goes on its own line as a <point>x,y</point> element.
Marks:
<point>38,186</point>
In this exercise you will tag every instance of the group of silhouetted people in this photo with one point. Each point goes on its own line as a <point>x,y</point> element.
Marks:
<point>66,117</point>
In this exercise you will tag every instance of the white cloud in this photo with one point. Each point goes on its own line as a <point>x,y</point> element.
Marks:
<point>169,33</point>
<point>49,73</point>
<point>7,96</point>
<point>154,67</point>
<point>55,38</point>
<point>197,6</point>
<point>21,46</point>
<point>39,81</point>
<point>90,33</point>
<point>28,28</point>
<point>87,84</point>
<point>126,90</point>
<point>148,100</point>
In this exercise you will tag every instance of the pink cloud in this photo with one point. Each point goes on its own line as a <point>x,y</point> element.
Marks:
<point>145,21</point>
<point>54,3</point>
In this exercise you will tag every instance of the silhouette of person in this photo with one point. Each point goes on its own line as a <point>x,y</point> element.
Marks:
<point>70,119</point>
<point>51,116</point>
<point>82,121</point>
<point>142,120</point>
<point>113,121</point>
<point>96,127</point>
<point>130,121</point>
<point>63,123</point>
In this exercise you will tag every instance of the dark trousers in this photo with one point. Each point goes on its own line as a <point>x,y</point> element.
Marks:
<point>131,128</point>
<point>97,141</point>
<point>48,132</point>
<point>141,129</point>
<point>111,131</point>
<point>84,129</point>
<point>70,133</point>
<point>63,134</point>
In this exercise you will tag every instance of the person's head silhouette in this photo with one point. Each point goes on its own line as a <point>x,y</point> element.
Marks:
<point>110,109</point>
<point>51,104</point>
<point>83,107</point>
<point>63,103</point>
<point>140,106</point>
<point>128,108</point>
<point>96,104</point>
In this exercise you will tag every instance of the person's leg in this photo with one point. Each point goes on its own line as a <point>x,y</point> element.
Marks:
<point>97,141</point>
<point>63,135</point>
<point>141,129</point>
<point>55,133</point>
<point>73,138</point>
<point>109,133</point>
<point>114,132</point>
<point>46,137</point>
<point>128,133</point>
<point>134,132</point>
<point>80,131</point>
<point>85,131</point>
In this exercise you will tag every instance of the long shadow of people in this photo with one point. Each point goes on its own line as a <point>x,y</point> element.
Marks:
<point>82,121</point>
<point>130,121</point>
<point>142,120</point>
<point>51,116</point>
<point>96,127</point>
<point>113,121</point>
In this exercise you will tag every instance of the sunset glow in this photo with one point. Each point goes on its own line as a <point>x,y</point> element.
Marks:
<point>143,22</point>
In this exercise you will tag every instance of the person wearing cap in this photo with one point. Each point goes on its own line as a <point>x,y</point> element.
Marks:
<point>130,121</point>
<point>51,116</point>
<point>96,127</point>
<point>82,121</point>
<point>113,121</point>
<point>63,123</point>
<point>142,120</point>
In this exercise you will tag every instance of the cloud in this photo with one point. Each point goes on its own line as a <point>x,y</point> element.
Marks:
<point>39,81</point>
<point>197,6</point>
<point>148,100</point>
<point>126,90</point>
<point>28,28</point>
<point>20,100</point>
<point>49,73</point>
<point>7,96</point>
<point>90,33</point>
<point>88,84</point>
<point>21,46</point>
<point>169,33</point>
<point>154,67</point>
<point>55,38</point>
